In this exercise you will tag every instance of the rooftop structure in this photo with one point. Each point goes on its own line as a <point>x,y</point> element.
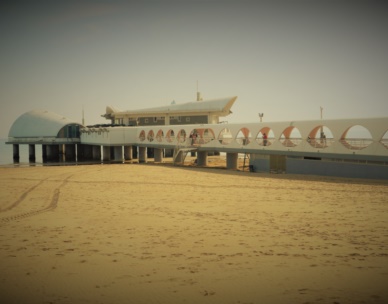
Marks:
<point>195,112</point>
<point>42,126</point>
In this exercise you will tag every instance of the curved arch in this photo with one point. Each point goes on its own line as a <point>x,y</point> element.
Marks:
<point>384,140</point>
<point>244,136</point>
<point>181,136</point>
<point>201,136</point>
<point>320,137</point>
<point>208,135</point>
<point>356,137</point>
<point>142,135</point>
<point>225,136</point>
<point>160,135</point>
<point>265,137</point>
<point>170,136</point>
<point>290,137</point>
<point>150,136</point>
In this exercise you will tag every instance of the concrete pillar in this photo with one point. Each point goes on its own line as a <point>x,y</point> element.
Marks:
<point>118,153</point>
<point>202,158</point>
<point>96,153</point>
<point>158,155</point>
<point>44,153</point>
<point>142,154</point>
<point>106,153</point>
<point>179,157</point>
<point>70,152</point>
<point>16,155</point>
<point>61,152</point>
<point>31,153</point>
<point>232,161</point>
<point>128,152</point>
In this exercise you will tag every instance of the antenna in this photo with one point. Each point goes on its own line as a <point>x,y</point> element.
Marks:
<point>199,97</point>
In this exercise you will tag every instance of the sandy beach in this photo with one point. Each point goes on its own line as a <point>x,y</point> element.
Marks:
<point>131,233</point>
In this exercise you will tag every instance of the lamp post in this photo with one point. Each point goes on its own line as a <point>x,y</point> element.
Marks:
<point>261,116</point>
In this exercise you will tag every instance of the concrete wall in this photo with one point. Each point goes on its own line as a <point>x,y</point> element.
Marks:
<point>262,163</point>
<point>335,168</point>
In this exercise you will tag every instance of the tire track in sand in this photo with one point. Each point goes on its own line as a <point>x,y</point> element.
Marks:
<point>51,206</point>
<point>22,197</point>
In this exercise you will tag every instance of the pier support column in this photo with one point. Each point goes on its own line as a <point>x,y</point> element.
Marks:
<point>16,155</point>
<point>31,153</point>
<point>118,153</point>
<point>96,153</point>
<point>61,152</point>
<point>178,157</point>
<point>202,158</point>
<point>106,153</point>
<point>70,152</point>
<point>142,154</point>
<point>158,155</point>
<point>232,161</point>
<point>128,152</point>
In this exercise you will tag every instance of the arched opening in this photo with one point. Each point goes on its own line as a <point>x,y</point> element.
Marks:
<point>244,137</point>
<point>159,136</point>
<point>265,137</point>
<point>142,135</point>
<point>320,137</point>
<point>291,137</point>
<point>225,137</point>
<point>150,136</point>
<point>201,136</point>
<point>170,136</point>
<point>356,138</point>
<point>384,140</point>
<point>181,136</point>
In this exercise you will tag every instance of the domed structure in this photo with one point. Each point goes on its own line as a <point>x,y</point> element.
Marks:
<point>58,135</point>
<point>38,124</point>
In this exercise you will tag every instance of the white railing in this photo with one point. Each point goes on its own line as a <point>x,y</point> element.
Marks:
<point>37,140</point>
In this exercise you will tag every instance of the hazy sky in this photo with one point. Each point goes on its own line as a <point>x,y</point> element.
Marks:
<point>282,58</point>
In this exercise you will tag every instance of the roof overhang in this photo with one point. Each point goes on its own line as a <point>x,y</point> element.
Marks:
<point>220,107</point>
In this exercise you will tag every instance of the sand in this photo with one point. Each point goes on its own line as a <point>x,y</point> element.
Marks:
<point>132,233</point>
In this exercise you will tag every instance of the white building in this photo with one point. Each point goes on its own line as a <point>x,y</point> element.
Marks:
<point>195,112</point>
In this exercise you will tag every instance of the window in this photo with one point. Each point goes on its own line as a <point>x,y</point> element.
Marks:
<point>187,119</point>
<point>145,120</point>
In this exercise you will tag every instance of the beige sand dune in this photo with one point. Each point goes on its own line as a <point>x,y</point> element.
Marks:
<point>164,234</point>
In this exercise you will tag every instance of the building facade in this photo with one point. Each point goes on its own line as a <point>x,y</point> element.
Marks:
<point>196,112</point>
